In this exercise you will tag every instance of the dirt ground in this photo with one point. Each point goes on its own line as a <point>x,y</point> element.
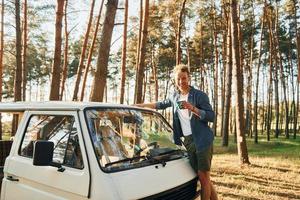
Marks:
<point>265,178</point>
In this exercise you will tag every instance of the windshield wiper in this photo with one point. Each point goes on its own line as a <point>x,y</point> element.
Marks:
<point>156,156</point>
<point>163,151</point>
<point>126,160</point>
<point>159,155</point>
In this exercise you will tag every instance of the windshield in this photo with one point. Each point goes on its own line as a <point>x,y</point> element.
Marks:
<point>129,138</point>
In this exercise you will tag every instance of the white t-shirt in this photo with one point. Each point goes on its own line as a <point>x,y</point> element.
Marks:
<point>185,117</point>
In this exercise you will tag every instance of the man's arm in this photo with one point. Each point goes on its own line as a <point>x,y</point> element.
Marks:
<point>146,105</point>
<point>206,112</point>
<point>160,105</point>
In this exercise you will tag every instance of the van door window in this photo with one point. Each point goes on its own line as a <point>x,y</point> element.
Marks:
<point>61,130</point>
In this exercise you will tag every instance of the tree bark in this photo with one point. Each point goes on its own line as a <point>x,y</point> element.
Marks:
<point>296,112</point>
<point>154,71</point>
<point>66,51</point>
<point>238,76</point>
<point>228,79</point>
<point>89,59</point>
<point>18,72</point>
<point>83,52</point>
<point>294,90</point>
<point>255,121</point>
<point>1,57</point>
<point>201,85</point>
<point>297,36</point>
<point>249,119</point>
<point>99,82</point>
<point>138,53</point>
<point>298,59</point>
<point>270,92</point>
<point>178,35</point>
<point>124,48</point>
<point>141,66</point>
<point>145,85</point>
<point>24,56</point>
<point>224,16</point>
<point>216,72</point>
<point>282,78</point>
<point>56,68</point>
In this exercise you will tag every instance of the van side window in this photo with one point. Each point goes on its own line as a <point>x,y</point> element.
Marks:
<point>59,129</point>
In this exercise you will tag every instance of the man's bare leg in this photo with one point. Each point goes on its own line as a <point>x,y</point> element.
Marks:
<point>207,189</point>
<point>213,194</point>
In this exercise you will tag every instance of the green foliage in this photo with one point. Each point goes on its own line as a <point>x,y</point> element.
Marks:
<point>277,147</point>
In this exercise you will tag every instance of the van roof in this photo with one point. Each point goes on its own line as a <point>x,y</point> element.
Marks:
<point>55,105</point>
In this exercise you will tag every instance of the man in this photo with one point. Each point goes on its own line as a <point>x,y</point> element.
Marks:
<point>191,114</point>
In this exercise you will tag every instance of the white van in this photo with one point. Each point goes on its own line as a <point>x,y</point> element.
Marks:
<point>73,150</point>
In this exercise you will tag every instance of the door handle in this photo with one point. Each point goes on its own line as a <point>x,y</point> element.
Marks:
<point>10,178</point>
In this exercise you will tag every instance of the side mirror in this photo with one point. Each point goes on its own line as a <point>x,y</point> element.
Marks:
<point>43,153</point>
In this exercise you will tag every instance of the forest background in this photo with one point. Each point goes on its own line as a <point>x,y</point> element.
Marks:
<point>244,54</point>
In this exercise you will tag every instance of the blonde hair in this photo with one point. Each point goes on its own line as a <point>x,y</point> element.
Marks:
<point>181,68</point>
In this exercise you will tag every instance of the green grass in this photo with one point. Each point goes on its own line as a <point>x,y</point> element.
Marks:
<point>276,147</point>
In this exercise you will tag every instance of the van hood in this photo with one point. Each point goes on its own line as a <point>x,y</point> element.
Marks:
<point>154,179</point>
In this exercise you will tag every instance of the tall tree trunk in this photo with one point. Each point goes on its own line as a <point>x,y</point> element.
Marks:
<point>296,111</point>
<point>263,116</point>
<point>24,55</point>
<point>249,116</point>
<point>216,72</point>
<point>56,68</point>
<point>138,52</point>
<point>91,50</point>
<point>154,74</point>
<point>270,92</point>
<point>279,57</point>
<point>298,59</point>
<point>291,72</point>
<point>141,66</point>
<point>145,85</point>
<point>99,81</point>
<point>124,47</point>
<point>297,35</point>
<point>188,53</point>
<point>238,76</point>
<point>201,85</point>
<point>249,86</point>
<point>1,57</point>
<point>18,72</point>
<point>178,34</point>
<point>66,51</point>
<point>83,52</point>
<point>223,73</point>
<point>256,113</point>
<point>276,58</point>
<point>228,79</point>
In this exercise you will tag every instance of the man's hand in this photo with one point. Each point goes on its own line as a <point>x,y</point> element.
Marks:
<point>191,107</point>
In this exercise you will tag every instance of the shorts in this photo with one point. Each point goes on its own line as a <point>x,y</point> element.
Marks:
<point>199,160</point>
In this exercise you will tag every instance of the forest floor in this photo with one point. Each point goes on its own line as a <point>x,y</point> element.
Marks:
<point>274,172</point>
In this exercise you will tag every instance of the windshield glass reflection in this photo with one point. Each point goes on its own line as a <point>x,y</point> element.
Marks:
<point>128,138</point>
